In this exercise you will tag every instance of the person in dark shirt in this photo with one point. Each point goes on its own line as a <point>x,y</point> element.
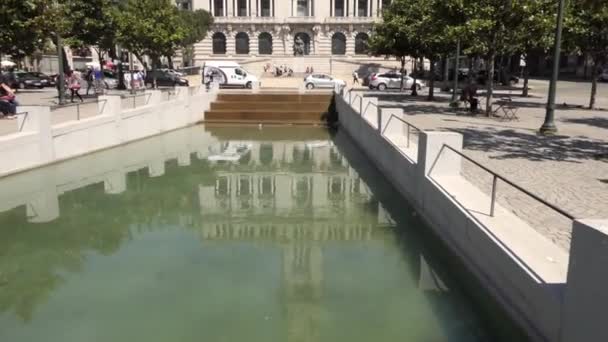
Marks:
<point>8,103</point>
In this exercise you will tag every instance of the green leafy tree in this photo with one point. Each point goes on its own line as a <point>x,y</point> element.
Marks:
<point>92,24</point>
<point>196,24</point>
<point>390,37</point>
<point>587,32</point>
<point>149,27</point>
<point>491,29</point>
<point>20,32</point>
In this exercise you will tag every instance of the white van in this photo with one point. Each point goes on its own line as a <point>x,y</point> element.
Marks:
<point>227,74</point>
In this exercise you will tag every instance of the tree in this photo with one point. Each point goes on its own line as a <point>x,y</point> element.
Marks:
<point>491,29</point>
<point>149,27</point>
<point>92,24</point>
<point>420,29</point>
<point>196,24</point>
<point>390,37</point>
<point>535,33</point>
<point>587,30</point>
<point>20,33</point>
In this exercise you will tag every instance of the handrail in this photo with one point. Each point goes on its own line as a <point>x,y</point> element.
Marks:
<point>405,122</point>
<point>25,114</point>
<point>135,96</point>
<point>497,176</point>
<point>77,105</point>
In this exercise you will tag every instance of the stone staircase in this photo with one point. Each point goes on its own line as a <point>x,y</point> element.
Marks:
<point>272,108</point>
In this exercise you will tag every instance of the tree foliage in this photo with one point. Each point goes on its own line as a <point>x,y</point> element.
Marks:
<point>20,32</point>
<point>149,27</point>
<point>586,33</point>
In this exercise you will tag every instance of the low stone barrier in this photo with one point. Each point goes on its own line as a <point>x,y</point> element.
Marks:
<point>38,142</point>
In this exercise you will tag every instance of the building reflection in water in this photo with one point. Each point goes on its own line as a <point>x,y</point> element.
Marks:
<point>297,196</point>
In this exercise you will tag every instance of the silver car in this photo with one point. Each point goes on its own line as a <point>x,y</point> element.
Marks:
<point>322,81</point>
<point>392,80</point>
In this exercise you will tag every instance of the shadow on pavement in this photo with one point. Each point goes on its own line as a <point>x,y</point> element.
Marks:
<point>595,122</point>
<point>511,144</point>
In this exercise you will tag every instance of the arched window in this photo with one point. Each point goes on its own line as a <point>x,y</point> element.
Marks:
<point>361,43</point>
<point>265,43</point>
<point>306,39</point>
<point>338,44</point>
<point>219,43</point>
<point>242,43</point>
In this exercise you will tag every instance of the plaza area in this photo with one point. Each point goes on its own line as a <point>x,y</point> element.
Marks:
<point>569,169</point>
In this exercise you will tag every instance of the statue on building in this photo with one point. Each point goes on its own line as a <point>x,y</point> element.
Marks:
<point>298,46</point>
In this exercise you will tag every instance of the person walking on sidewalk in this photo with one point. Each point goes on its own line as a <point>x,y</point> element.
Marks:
<point>355,77</point>
<point>74,85</point>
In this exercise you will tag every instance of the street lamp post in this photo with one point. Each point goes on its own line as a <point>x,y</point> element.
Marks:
<point>548,126</point>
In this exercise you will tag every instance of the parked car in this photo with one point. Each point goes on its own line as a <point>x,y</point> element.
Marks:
<point>24,80</point>
<point>392,80</point>
<point>164,79</point>
<point>603,77</point>
<point>50,81</point>
<point>173,72</point>
<point>322,81</point>
<point>228,74</point>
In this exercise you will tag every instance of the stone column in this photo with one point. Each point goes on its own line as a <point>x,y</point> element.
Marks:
<point>586,298</point>
<point>115,183</point>
<point>38,119</point>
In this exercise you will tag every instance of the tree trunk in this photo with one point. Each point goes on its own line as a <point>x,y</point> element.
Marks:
<point>593,83</point>
<point>490,84</point>
<point>170,60</point>
<point>431,96</point>
<point>402,73</point>
<point>526,89</point>
<point>414,88</point>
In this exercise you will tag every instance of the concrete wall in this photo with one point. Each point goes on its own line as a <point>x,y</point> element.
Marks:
<point>39,143</point>
<point>522,270</point>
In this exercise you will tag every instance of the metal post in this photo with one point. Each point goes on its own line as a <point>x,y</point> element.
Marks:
<point>494,179</point>
<point>78,111</point>
<point>60,73</point>
<point>134,105</point>
<point>131,70</point>
<point>408,135</point>
<point>456,67</point>
<point>361,106</point>
<point>548,126</point>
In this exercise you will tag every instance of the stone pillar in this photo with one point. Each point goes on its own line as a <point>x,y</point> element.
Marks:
<point>183,158</point>
<point>429,147</point>
<point>392,126</point>
<point>586,298</point>
<point>38,119</point>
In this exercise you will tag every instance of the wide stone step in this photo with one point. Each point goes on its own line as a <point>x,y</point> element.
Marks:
<point>270,106</point>
<point>298,98</point>
<point>261,116</point>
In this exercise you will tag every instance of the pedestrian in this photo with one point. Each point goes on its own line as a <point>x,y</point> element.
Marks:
<point>355,77</point>
<point>307,70</point>
<point>74,85</point>
<point>90,78</point>
<point>8,101</point>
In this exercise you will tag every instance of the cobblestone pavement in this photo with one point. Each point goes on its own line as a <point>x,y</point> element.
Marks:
<point>569,169</point>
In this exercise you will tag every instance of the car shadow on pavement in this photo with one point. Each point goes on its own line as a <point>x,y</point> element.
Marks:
<point>594,121</point>
<point>511,144</point>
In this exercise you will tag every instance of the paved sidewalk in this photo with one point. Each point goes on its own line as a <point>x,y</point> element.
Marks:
<point>569,169</point>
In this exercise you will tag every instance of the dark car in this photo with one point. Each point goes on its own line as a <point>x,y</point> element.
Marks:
<point>164,79</point>
<point>50,81</point>
<point>24,80</point>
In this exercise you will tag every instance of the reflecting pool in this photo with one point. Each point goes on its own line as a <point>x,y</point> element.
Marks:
<point>224,234</point>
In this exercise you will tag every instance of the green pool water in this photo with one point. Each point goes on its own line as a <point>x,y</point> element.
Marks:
<point>226,234</point>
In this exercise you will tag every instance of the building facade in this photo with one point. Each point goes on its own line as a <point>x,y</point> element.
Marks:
<point>269,28</point>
